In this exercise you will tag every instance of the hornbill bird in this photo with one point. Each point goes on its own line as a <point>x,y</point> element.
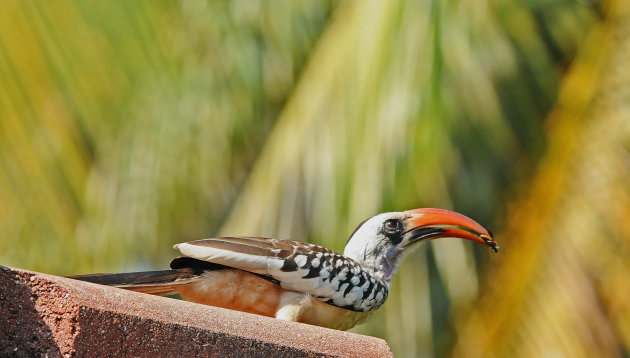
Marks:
<point>297,281</point>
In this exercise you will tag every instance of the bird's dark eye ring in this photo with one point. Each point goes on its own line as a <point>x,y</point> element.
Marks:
<point>392,227</point>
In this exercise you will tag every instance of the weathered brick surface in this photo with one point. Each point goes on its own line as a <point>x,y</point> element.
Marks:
<point>44,315</point>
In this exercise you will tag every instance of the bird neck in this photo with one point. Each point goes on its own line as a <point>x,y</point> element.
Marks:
<point>381,265</point>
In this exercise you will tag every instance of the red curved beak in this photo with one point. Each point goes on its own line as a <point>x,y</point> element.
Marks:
<point>438,223</point>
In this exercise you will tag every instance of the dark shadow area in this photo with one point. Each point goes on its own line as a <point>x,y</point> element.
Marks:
<point>23,331</point>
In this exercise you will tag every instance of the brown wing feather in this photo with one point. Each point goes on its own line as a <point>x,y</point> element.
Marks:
<point>259,246</point>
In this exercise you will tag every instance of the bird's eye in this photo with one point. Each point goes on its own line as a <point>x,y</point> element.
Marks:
<point>392,227</point>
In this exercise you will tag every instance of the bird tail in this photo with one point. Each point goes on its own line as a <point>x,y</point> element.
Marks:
<point>161,282</point>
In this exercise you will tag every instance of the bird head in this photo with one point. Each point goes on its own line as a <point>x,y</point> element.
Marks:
<point>380,242</point>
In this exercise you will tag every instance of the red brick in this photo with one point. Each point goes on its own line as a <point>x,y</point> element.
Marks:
<point>45,315</point>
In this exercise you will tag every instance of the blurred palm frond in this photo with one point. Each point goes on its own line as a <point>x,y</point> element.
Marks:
<point>128,126</point>
<point>568,240</point>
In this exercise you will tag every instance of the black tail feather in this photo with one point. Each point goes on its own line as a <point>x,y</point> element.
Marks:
<point>184,270</point>
<point>135,278</point>
<point>154,282</point>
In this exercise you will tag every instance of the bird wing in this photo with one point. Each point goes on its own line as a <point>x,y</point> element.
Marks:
<point>296,266</point>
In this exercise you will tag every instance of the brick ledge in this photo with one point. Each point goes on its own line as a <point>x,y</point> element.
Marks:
<point>45,315</point>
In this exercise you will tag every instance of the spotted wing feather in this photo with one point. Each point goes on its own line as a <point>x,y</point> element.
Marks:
<point>296,266</point>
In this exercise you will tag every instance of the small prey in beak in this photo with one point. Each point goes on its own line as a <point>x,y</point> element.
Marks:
<point>490,242</point>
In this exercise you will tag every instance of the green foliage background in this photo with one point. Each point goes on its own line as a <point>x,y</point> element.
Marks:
<point>128,126</point>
